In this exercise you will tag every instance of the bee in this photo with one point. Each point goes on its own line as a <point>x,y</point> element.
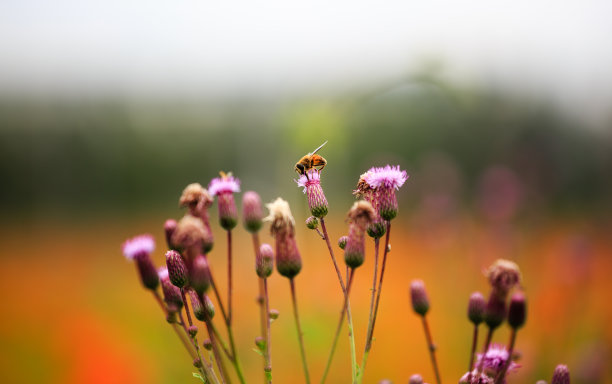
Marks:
<point>311,160</point>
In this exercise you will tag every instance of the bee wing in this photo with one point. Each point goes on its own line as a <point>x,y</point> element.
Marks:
<point>320,146</point>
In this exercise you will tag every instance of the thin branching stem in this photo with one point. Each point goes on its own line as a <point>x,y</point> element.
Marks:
<point>502,374</point>
<point>432,349</point>
<point>299,330</point>
<point>473,352</point>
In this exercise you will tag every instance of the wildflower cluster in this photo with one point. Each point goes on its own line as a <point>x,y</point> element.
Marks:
<point>189,285</point>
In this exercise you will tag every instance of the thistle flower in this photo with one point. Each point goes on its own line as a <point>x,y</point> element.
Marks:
<point>475,378</point>
<point>415,379</point>
<point>495,311</point>
<point>200,275</point>
<point>495,360</point>
<point>139,249</point>
<point>377,228</point>
<point>169,229</point>
<point>264,261</point>
<point>196,305</point>
<point>224,188</point>
<point>192,235</point>
<point>288,259</point>
<point>381,183</point>
<point>176,269</point>
<point>342,242</point>
<point>503,275</point>
<point>517,310</point>
<point>360,216</point>
<point>476,308</point>
<point>252,212</point>
<point>311,181</point>
<point>312,222</point>
<point>561,375</point>
<point>420,301</point>
<point>172,294</point>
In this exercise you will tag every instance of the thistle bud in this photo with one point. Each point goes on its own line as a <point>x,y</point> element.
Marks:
<point>200,275</point>
<point>260,342</point>
<point>172,294</point>
<point>561,375</point>
<point>193,236</point>
<point>192,330</point>
<point>273,314</point>
<point>209,308</point>
<point>377,229</point>
<point>342,242</point>
<point>252,211</point>
<point>207,344</point>
<point>311,181</point>
<point>503,275</point>
<point>177,270</point>
<point>415,379</point>
<point>312,222</point>
<point>517,311</point>
<point>139,249</point>
<point>196,305</point>
<point>224,188</point>
<point>169,228</point>
<point>264,261</point>
<point>495,311</point>
<point>360,215</point>
<point>288,259</point>
<point>197,362</point>
<point>476,308</point>
<point>420,302</point>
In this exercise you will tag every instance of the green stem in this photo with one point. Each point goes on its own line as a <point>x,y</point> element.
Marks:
<point>432,349</point>
<point>473,352</point>
<point>502,374</point>
<point>174,326</point>
<point>299,330</point>
<point>349,317</point>
<point>206,372</point>
<point>229,277</point>
<point>268,368</point>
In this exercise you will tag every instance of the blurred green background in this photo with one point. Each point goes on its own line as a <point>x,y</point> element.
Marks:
<point>108,110</point>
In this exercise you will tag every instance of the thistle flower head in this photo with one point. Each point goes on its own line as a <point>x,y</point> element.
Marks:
<point>224,188</point>
<point>264,261</point>
<point>475,378</point>
<point>196,305</point>
<point>561,375</point>
<point>177,270</point>
<point>495,311</point>
<point>495,359</point>
<point>138,245</point>
<point>420,301</point>
<point>192,235</point>
<point>252,211</point>
<point>226,183</point>
<point>503,275</point>
<point>476,308</point>
<point>194,195</point>
<point>378,185</point>
<point>360,216</point>
<point>200,275</point>
<point>311,181</point>
<point>172,294</point>
<point>288,259</point>
<point>342,242</point>
<point>517,311</point>
<point>312,222</point>
<point>415,379</point>
<point>389,177</point>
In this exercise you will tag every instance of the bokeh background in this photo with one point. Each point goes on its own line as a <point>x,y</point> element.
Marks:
<point>500,113</point>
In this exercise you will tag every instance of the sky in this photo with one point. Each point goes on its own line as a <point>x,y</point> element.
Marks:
<point>229,48</point>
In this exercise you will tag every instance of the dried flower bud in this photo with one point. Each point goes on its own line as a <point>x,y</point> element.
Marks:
<point>192,330</point>
<point>176,269</point>
<point>311,181</point>
<point>312,222</point>
<point>561,375</point>
<point>139,249</point>
<point>196,305</point>
<point>360,216</point>
<point>264,261</point>
<point>273,314</point>
<point>224,188</point>
<point>517,310</point>
<point>192,235</point>
<point>288,259</point>
<point>495,311</point>
<point>260,342</point>
<point>420,302</point>
<point>476,308</point>
<point>200,275</point>
<point>208,307</point>
<point>415,379</point>
<point>193,194</point>
<point>252,211</point>
<point>503,275</point>
<point>172,294</point>
<point>197,362</point>
<point>169,229</point>
<point>342,242</point>
<point>207,344</point>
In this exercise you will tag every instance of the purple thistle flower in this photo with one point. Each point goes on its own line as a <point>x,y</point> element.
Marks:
<point>177,270</point>
<point>474,378</point>
<point>495,359</point>
<point>139,249</point>
<point>224,188</point>
<point>311,181</point>
<point>360,216</point>
<point>476,308</point>
<point>385,181</point>
<point>252,211</point>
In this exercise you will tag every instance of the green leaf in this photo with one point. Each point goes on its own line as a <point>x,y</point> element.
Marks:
<point>195,374</point>
<point>258,352</point>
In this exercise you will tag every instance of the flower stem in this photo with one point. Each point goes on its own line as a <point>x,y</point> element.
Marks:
<point>268,368</point>
<point>206,371</point>
<point>372,301</point>
<point>299,331</point>
<point>432,349</point>
<point>229,277</point>
<point>215,349</point>
<point>484,352</point>
<point>264,313</point>
<point>331,253</point>
<point>473,352</point>
<point>502,374</point>
<point>349,318</point>
<point>175,326</point>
